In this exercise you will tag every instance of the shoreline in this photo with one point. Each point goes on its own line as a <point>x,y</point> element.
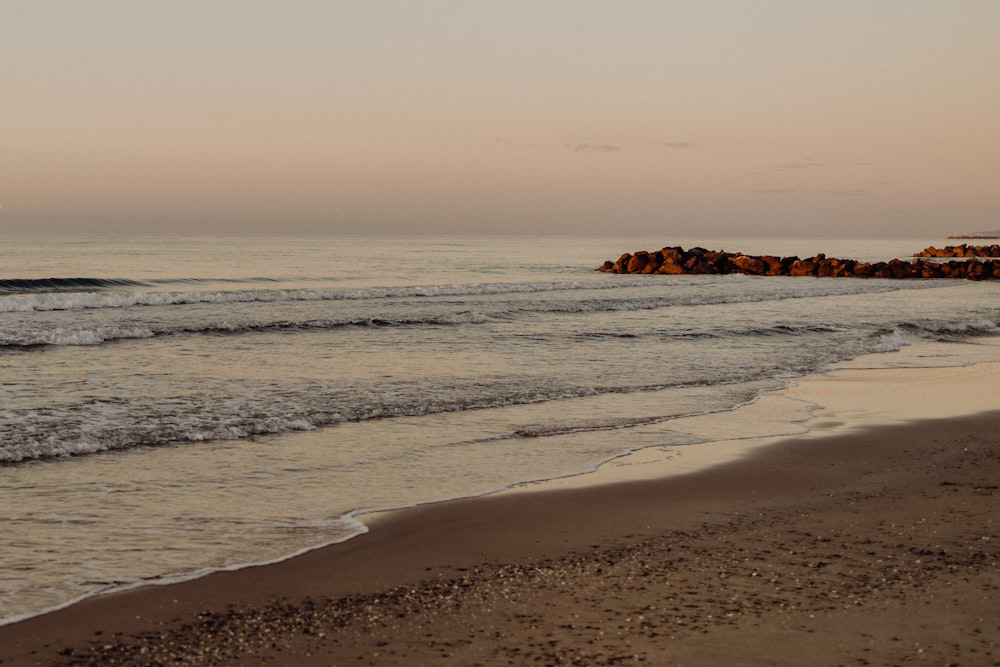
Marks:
<point>423,548</point>
<point>840,401</point>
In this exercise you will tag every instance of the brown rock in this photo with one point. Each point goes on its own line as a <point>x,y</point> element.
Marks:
<point>881,270</point>
<point>749,265</point>
<point>773,265</point>
<point>803,267</point>
<point>673,254</point>
<point>698,265</point>
<point>621,266</point>
<point>863,270</point>
<point>721,261</point>
<point>927,269</point>
<point>637,262</point>
<point>975,270</point>
<point>899,269</point>
<point>670,268</point>
<point>827,268</point>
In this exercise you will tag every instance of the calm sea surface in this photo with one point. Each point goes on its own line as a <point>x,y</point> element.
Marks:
<point>172,405</point>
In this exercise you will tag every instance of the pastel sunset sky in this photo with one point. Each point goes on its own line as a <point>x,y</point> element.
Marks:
<point>724,117</point>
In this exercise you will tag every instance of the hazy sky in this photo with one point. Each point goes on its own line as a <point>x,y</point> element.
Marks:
<point>871,117</point>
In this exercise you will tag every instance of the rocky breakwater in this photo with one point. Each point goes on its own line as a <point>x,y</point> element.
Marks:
<point>699,261</point>
<point>961,251</point>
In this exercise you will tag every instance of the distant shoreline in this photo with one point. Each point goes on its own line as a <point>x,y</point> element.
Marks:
<point>992,234</point>
<point>974,236</point>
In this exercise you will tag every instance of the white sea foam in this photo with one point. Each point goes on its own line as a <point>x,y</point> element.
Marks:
<point>74,336</point>
<point>91,300</point>
<point>126,299</point>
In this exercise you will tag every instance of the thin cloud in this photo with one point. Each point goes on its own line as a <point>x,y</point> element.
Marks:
<point>789,166</point>
<point>848,192</point>
<point>780,191</point>
<point>677,144</point>
<point>514,144</point>
<point>593,148</point>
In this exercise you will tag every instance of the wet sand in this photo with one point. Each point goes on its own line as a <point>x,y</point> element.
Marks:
<point>878,546</point>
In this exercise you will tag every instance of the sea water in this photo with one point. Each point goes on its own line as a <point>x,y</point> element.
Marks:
<point>176,405</point>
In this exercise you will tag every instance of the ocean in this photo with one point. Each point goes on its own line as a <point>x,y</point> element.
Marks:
<point>174,405</point>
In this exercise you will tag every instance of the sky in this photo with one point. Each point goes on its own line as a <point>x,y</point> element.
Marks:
<point>708,117</point>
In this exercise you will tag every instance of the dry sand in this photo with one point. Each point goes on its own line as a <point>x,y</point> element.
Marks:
<point>872,540</point>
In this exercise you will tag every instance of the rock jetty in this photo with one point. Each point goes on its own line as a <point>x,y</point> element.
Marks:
<point>699,261</point>
<point>961,251</point>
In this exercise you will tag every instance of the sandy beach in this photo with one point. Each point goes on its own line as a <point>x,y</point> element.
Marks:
<point>871,539</point>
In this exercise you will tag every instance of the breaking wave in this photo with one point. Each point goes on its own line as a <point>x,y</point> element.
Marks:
<point>32,285</point>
